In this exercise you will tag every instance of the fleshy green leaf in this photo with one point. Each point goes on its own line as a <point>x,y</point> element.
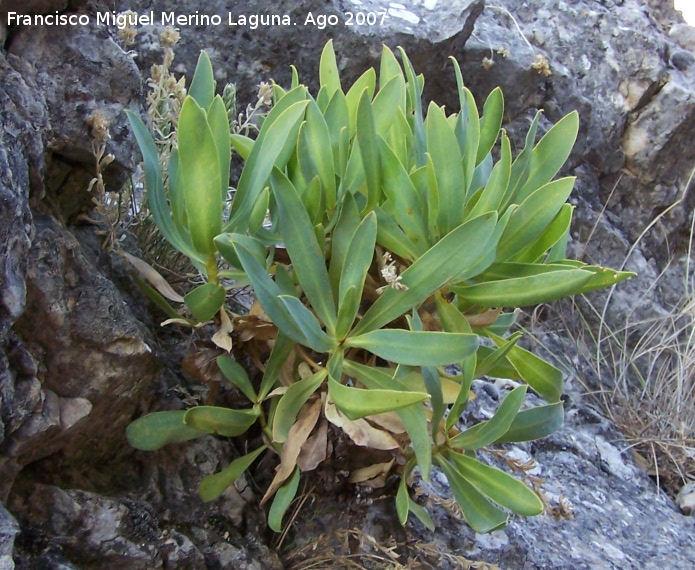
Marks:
<point>389,67</point>
<point>267,291</point>
<point>467,129</point>
<point>205,300</point>
<point>416,348</point>
<point>442,263</point>
<point>283,498</point>
<point>199,176</point>
<point>219,126</point>
<point>403,499</point>
<point>533,216</point>
<point>393,238</point>
<point>337,118</point>
<point>275,144</point>
<point>357,403</point>
<point>534,423</point>
<point>307,257</point>
<point>292,401</point>
<point>550,154</point>
<point>202,87</point>
<point>315,146</point>
<point>422,515</point>
<point>502,488</point>
<point>259,212</point>
<point>223,421</point>
<point>491,430</point>
<point>365,81</point>
<point>480,513</point>
<point>490,123</point>
<point>343,233</point>
<point>278,356</point>
<point>520,167</point>
<point>315,338</point>
<point>242,144</point>
<point>329,77</point>
<point>604,277</point>
<point>443,149</point>
<point>522,291</point>
<point>557,229</point>
<point>487,364</point>
<point>235,373</point>
<point>398,188</point>
<point>156,197</point>
<point>543,377</point>
<point>212,486</point>
<point>389,99</point>
<point>225,245</point>
<point>413,417</point>
<point>415,94</point>
<point>358,257</point>
<point>155,430</point>
<point>369,150</point>
<point>492,196</point>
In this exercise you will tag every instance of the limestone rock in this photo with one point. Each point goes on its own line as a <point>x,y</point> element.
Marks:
<point>93,358</point>
<point>613,62</point>
<point>247,56</point>
<point>166,527</point>
<point>21,165</point>
<point>8,530</point>
<point>104,79</point>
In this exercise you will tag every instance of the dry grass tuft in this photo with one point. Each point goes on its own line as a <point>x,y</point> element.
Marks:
<point>356,550</point>
<point>645,372</point>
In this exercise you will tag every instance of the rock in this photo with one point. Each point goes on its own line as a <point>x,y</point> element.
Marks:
<point>682,60</point>
<point>104,79</point>
<point>686,499</point>
<point>247,56</point>
<point>684,36</point>
<point>21,165</point>
<point>8,530</point>
<point>94,360</point>
<point>90,530</point>
<point>166,526</point>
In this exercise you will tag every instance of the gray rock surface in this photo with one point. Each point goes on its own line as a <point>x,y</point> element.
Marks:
<point>85,359</point>
<point>166,526</point>
<point>611,61</point>
<point>248,56</point>
<point>104,79</point>
<point>8,530</point>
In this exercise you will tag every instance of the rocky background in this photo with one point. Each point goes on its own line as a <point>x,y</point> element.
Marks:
<point>81,356</point>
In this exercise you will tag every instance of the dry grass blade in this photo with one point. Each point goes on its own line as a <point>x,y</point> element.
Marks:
<point>646,374</point>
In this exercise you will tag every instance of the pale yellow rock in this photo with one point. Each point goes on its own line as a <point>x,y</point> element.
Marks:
<point>686,499</point>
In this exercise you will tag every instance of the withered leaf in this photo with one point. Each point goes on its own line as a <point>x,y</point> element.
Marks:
<point>297,436</point>
<point>314,450</point>
<point>360,431</point>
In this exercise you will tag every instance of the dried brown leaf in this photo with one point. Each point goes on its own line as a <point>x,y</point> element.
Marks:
<point>314,450</point>
<point>297,436</point>
<point>390,421</point>
<point>370,472</point>
<point>359,431</point>
<point>223,336</point>
<point>154,277</point>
